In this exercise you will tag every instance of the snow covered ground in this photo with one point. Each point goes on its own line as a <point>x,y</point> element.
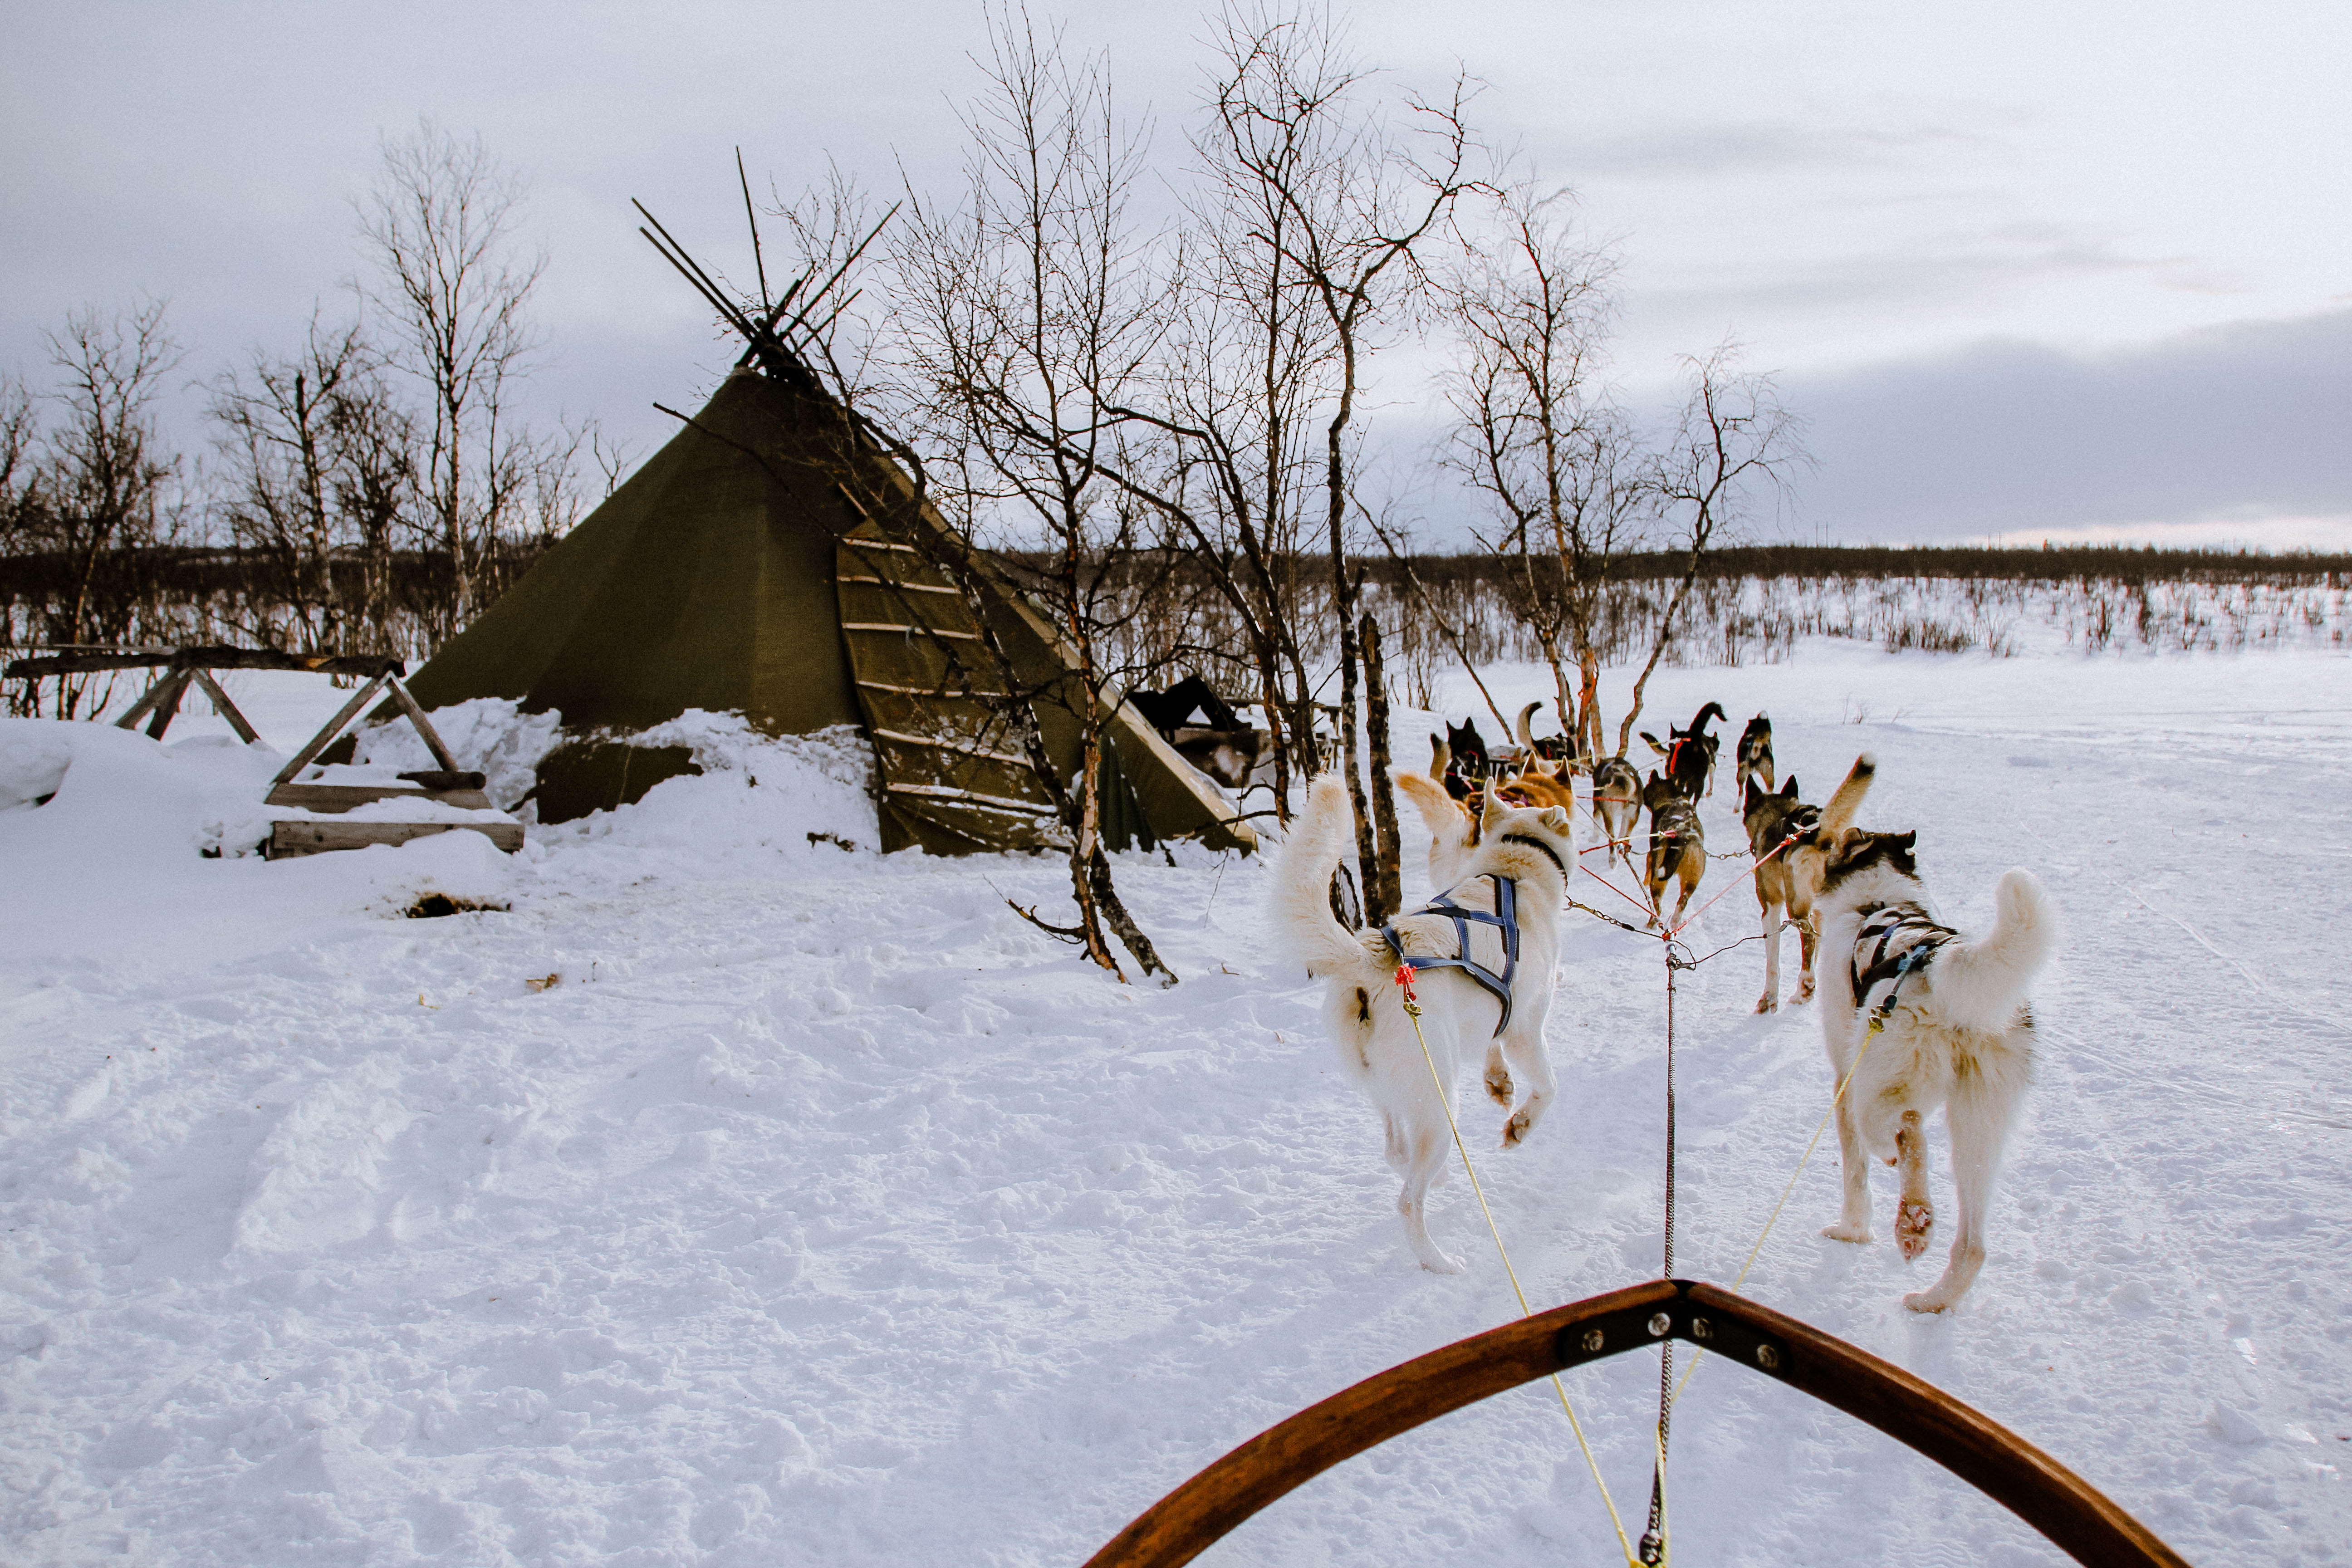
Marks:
<point>732,1197</point>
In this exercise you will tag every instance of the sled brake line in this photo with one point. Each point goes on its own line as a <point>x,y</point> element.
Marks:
<point>1403,978</point>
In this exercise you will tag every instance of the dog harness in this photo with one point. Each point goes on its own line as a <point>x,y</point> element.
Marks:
<point>1505,919</point>
<point>1882,926</point>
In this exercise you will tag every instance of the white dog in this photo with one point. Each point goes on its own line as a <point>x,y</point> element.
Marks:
<point>1920,1016</point>
<point>1521,862</point>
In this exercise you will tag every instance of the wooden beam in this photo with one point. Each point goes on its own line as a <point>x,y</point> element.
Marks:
<point>225,708</point>
<point>167,705</point>
<point>288,839</point>
<point>424,725</point>
<point>138,710</point>
<point>320,741</point>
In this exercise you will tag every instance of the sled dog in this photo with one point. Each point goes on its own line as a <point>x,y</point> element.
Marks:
<point>1773,820</point>
<point>1617,804</point>
<point>1678,846</point>
<point>1522,858</point>
<point>1690,754</point>
<point>1919,1015</point>
<point>1754,758</point>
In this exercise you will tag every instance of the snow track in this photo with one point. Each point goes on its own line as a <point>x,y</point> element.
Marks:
<point>822,1211</point>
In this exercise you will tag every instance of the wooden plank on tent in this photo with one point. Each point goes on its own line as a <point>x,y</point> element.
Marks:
<point>948,792</point>
<point>225,708</point>
<point>959,748</point>
<point>909,587</point>
<point>289,839</point>
<point>908,630</point>
<point>320,741</point>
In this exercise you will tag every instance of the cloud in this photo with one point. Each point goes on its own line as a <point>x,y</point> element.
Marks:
<point>2241,426</point>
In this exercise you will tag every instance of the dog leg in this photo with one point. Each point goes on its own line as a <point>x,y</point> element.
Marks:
<point>1771,1000</point>
<point>1526,1050</point>
<point>1498,1076</point>
<point>1427,1156</point>
<point>1978,1117</point>
<point>1915,1217</point>
<point>1807,940</point>
<point>1853,1164</point>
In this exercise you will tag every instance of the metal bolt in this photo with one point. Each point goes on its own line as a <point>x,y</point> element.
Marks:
<point>1768,1358</point>
<point>1594,1340</point>
<point>1659,1324</point>
<point>1701,1328</point>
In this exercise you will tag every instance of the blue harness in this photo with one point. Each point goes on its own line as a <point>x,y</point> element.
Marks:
<point>1506,919</point>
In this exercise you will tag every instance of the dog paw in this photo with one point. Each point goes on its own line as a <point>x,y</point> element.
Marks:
<point>1499,1086</point>
<point>1441,1263</point>
<point>1927,1302</point>
<point>1844,1232</point>
<point>1767,1004</point>
<point>1914,1223</point>
<point>1516,1130</point>
<point>1805,990</point>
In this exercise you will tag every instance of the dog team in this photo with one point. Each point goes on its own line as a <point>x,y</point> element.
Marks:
<point>1915,1015</point>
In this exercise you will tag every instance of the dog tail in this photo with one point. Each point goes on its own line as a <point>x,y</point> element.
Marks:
<point>1838,814</point>
<point>1979,982</point>
<point>1302,901</point>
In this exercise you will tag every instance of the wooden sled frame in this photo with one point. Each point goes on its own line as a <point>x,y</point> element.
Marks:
<point>2075,1515</point>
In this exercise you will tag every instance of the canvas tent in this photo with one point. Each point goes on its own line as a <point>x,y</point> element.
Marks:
<point>737,570</point>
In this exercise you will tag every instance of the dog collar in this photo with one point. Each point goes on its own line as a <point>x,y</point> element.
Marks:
<point>1549,852</point>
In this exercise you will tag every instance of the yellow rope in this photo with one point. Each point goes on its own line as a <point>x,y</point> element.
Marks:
<point>1413,1010</point>
<point>1774,1218</point>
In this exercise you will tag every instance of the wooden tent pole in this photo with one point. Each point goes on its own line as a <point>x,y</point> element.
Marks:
<point>167,703</point>
<point>147,701</point>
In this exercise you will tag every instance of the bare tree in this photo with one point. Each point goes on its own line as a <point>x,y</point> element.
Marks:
<point>1346,202</point>
<point>101,500</point>
<point>1027,314</point>
<point>1556,459</point>
<point>1733,437</point>
<point>451,286</point>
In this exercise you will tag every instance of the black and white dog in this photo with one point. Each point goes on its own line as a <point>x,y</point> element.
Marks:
<point>1690,754</point>
<point>1916,1015</point>
<point>1754,758</point>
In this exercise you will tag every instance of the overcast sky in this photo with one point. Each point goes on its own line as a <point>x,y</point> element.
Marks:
<point>2027,270</point>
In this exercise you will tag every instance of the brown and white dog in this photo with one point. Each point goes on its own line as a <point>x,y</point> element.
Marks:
<point>1678,847</point>
<point>1364,1011</point>
<point>1775,820</point>
<point>1916,1015</point>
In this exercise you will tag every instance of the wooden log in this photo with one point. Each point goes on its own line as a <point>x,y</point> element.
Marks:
<point>210,657</point>
<point>290,839</point>
<point>443,779</point>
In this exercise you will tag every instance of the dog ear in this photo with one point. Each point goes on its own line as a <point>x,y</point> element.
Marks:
<point>1556,819</point>
<point>1755,796</point>
<point>1789,789</point>
<point>1907,841</point>
<point>1492,816</point>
